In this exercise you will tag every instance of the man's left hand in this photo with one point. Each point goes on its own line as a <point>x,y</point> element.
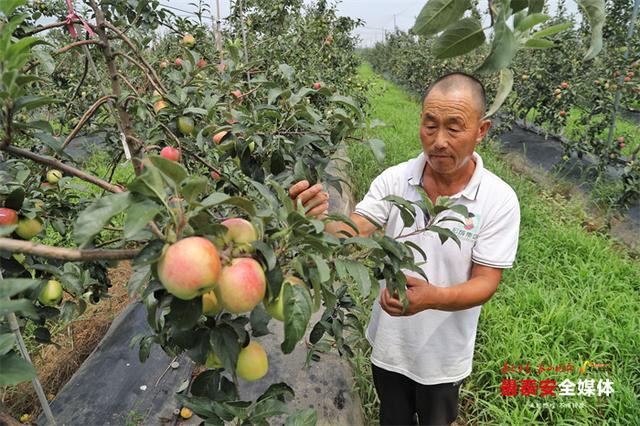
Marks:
<point>420,294</point>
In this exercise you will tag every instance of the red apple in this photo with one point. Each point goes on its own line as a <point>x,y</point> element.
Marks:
<point>240,231</point>
<point>159,105</point>
<point>627,79</point>
<point>8,216</point>
<point>217,138</point>
<point>317,86</point>
<point>238,94</point>
<point>170,153</point>
<point>215,175</point>
<point>189,267</point>
<point>241,286</point>
<point>562,113</point>
<point>564,84</point>
<point>178,62</point>
<point>201,63</point>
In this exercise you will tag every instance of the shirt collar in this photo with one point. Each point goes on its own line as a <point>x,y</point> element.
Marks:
<point>470,191</point>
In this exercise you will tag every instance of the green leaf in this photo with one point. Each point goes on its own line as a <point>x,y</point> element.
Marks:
<point>286,71</point>
<point>139,278</point>
<point>360,274</point>
<point>207,384</point>
<point>16,305</point>
<point>377,147</point>
<point>437,15</point>
<point>224,342</point>
<point>594,9</point>
<point>518,5</point>
<point>171,169</point>
<point>539,43</point>
<point>306,417</point>
<point>32,101</point>
<point>9,287</point>
<point>7,342</point>
<point>273,94</point>
<point>323,268</point>
<point>259,320</point>
<point>92,219</point>
<point>149,253</point>
<point>503,49</point>
<point>267,252</point>
<point>536,6</point>
<point>552,30</point>
<point>138,216</point>
<point>193,187</point>
<point>362,242</point>
<point>460,38</point>
<point>348,102</point>
<point>149,183</point>
<point>445,234</point>
<point>504,88</point>
<point>14,370</point>
<point>297,312</point>
<point>531,20</point>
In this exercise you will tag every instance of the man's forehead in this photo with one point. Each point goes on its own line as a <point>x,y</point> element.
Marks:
<point>453,100</point>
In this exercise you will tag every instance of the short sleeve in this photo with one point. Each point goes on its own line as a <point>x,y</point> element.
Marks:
<point>497,241</point>
<point>372,206</point>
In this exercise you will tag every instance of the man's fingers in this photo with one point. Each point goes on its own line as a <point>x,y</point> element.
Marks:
<point>390,305</point>
<point>318,210</point>
<point>309,193</point>
<point>320,198</point>
<point>296,189</point>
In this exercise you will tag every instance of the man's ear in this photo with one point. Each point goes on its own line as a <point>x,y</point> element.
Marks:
<point>485,125</point>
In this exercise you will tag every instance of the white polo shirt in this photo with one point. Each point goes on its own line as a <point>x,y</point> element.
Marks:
<point>436,346</point>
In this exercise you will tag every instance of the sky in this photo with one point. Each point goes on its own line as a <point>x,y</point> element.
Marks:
<point>379,15</point>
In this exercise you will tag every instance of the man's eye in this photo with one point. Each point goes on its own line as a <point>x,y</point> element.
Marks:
<point>451,129</point>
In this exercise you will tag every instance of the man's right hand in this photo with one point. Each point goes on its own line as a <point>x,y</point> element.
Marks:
<point>315,199</point>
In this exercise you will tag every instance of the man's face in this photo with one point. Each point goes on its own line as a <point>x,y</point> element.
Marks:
<point>451,127</point>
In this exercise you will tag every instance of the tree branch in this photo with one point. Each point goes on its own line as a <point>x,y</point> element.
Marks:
<point>20,152</point>
<point>143,69</point>
<point>49,26</point>
<point>78,255</point>
<point>88,113</point>
<point>76,44</point>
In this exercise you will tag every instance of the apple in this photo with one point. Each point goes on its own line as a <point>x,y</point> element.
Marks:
<point>213,361</point>
<point>328,39</point>
<point>317,86</point>
<point>188,40</point>
<point>524,77</point>
<point>8,216</point>
<point>170,153</point>
<point>620,139</point>
<point>276,307</point>
<point>222,67</point>
<point>28,228</point>
<point>232,121</point>
<point>186,413</point>
<point>562,113</point>
<point>164,64</point>
<point>253,363</point>
<point>621,145</point>
<point>215,175</point>
<point>186,125</point>
<point>564,84</point>
<point>627,79</point>
<point>241,233</point>
<point>631,74</point>
<point>557,91</point>
<point>238,94</point>
<point>178,62</point>
<point>217,138</point>
<point>201,63</point>
<point>210,305</point>
<point>51,293</point>
<point>159,105</point>
<point>189,267</point>
<point>53,176</point>
<point>558,97</point>
<point>241,286</point>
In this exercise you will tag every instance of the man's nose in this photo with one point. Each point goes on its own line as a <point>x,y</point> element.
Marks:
<point>441,141</point>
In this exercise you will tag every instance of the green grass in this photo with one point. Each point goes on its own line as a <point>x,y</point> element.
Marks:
<point>571,296</point>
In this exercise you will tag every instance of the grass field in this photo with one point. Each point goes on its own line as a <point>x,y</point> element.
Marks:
<point>572,296</point>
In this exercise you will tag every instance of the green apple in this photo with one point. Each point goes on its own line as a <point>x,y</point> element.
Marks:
<point>253,363</point>
<point>28,228</point>
<point>210,305</point>
<point>276,307</point>
<point>51,293</point>
<point>53,176</point>
<point>186,125</point>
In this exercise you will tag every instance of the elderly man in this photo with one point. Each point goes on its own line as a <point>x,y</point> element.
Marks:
<point>421,356</point>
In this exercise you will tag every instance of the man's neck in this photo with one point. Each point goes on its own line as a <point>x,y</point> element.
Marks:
<point>447,184</point>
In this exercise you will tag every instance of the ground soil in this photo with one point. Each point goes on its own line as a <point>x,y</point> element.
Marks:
<point>56,365</point>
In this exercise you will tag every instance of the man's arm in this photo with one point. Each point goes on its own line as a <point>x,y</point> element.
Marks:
<point>422,295</point>
<point>316,203</point>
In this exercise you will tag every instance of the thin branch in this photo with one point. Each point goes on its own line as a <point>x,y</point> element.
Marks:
<point>75,255</point>
<point>49,26</point>
<point>135,50</point>
<point>145,71</point>
<point>127,82</point>
<point>88,113</point>
<point>76,44</point>
<point>20,152</point>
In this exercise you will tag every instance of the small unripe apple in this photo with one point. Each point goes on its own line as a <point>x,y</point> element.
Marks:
<point>188,40</point>
<point>189,267</point>
<point>164,64</point>
<point>524,77</point>
<point>241,286</point>
<point>201,63</point>
<point>170,153</point>
<point>558,97</point>
<point>53,176</point>
<point>252,146</point>
<point>178,62</point>
<point>557,91</point>
<point>217,138</point>
<point>28,228</point>
<point>210,305</point>
<point>564,84</point>
<point>328,39</point>
<point>159,105</point>
<point>186,125</point>
<point>51,293</point>
<point>253,363</point>
<point>8,216</point>
<point>186,413</point>
<point>317,86</point>
<point>276,307</point>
